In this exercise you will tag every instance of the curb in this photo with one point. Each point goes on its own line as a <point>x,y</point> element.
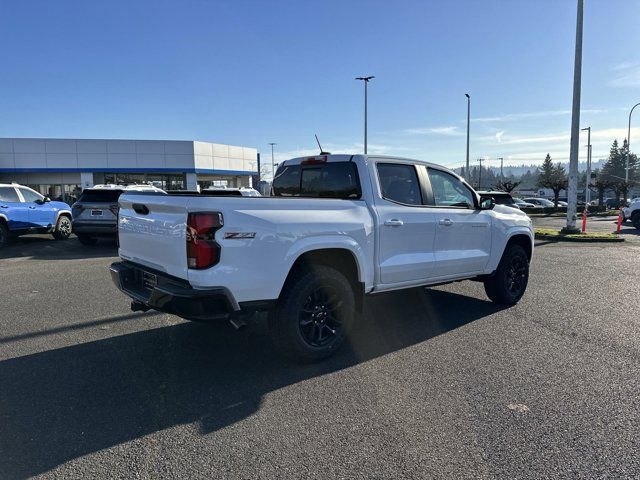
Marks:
<point>564,238</point>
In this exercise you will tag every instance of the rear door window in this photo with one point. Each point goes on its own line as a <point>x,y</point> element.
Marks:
<point>399,183</point>
<point>9,194</point>
<point>100,196</point>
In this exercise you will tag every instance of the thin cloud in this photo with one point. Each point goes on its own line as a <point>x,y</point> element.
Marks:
<point>627,75</point>
<point>449,131</point>
<point>519,116</point>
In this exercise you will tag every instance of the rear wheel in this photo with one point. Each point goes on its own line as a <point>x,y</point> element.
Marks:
<point>4,234</point>
<point>63,228</point>
<point>635,219</point>
<point>86,239</point>
<point>509,282</point>
<point>314,314</point>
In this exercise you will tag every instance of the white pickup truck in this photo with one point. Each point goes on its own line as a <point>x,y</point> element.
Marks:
<point>338,227</point>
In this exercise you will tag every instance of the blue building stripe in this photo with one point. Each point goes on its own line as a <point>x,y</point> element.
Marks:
<point>127,170</point>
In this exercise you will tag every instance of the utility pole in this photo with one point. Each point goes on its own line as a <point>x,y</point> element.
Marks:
<point>258,158</point>
<point>501,174</point>
<point>273,170</point>
<point>587,192</point>
<point>575,126</point>
<point>468,127</point>
<point>480,174</point>
<point>366,81</point>
<point>626,163</point>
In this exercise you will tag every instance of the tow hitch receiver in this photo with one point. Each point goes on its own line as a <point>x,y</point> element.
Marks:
<point>138,306</point>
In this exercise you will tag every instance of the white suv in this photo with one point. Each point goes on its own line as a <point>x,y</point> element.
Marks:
<point>632,212</point>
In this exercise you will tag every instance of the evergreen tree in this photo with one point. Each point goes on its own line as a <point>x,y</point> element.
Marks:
<point>553,177</point>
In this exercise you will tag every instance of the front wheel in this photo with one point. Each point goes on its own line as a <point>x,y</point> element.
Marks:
<point>63,228</point>
<point>509,282</point>
<point>635,219</point>
<point>314,314</point>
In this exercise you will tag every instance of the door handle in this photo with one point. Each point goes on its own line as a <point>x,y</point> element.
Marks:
<point>32,208</point>
<point>394,222</point>
<point>4,206</point>
<point>446,222</point>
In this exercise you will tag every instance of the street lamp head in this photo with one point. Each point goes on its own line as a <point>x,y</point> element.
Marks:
<point>467,95</point>
<point>366,79</point>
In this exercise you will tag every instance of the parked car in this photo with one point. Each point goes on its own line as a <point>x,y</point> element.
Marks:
<point>24,211</point>
<point>540,202</point>
<point>632,212</point>
<point>95,213</point>
<point>230,192</point>
<point>339,227</point>
<point>615,203</point>
<point>564,202</point>
<point>501,198</point>
<point>522,204</point>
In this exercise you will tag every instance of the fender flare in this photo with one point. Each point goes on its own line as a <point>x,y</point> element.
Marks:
<point>322,242</point>
<point>63,212</point>
<point>5,218</point>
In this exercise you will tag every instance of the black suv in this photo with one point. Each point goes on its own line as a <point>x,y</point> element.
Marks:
<point>502,198</point>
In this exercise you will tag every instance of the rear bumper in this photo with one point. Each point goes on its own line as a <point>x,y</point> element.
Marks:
<point>94,228</point>
<point>168,294</point>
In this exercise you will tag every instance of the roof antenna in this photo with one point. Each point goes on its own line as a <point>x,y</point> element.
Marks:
<point>322,152</point>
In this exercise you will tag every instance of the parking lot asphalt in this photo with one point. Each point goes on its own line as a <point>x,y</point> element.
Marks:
<point>435,383</point>
<point>594,225</point>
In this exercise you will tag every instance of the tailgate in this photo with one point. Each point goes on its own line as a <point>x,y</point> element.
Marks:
<point>152,231</point>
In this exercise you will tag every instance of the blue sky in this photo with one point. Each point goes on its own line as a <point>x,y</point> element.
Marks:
<point>248,73</point>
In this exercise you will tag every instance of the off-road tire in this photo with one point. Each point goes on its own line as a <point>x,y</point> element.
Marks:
<point>4,234</point>
<point>509,282</point>
<point>63,228</point>
<point>635,220</point>
<point>314,314</point>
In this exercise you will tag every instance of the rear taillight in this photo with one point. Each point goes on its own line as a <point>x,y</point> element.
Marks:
<point>202,249</point>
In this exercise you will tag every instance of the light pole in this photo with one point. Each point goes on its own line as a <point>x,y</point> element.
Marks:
<point>501,162</point>
<point>626,162</point>
<point>587,192</point>
<point>273,171</point>
<point>480,173</point>
<point>366,82</point>
<point>468,125</point>
<point>575,126</point>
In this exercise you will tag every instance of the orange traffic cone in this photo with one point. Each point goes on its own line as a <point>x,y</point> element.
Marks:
<point>619,222</point>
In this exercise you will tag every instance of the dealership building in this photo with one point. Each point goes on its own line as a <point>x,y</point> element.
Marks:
<point>61,168</point>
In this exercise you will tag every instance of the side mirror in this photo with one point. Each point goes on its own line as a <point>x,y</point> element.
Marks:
<point>487,203</point>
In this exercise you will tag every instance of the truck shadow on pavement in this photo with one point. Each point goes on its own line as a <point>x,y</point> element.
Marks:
<point>62,404</point>
<point>43,247</point>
